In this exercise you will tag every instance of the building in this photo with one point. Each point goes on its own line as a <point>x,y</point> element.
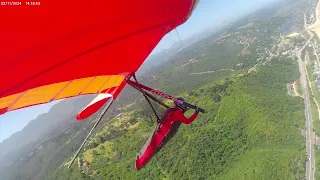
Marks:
<point>318,82</point>
<point>252,71</point>
<point>311,16</point>
<point>289,87</point>
<point>86,166</point>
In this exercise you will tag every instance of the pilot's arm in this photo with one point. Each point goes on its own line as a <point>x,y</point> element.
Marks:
<point>185,120</point>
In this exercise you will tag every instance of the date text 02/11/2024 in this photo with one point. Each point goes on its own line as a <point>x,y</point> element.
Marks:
<point>19,3</point>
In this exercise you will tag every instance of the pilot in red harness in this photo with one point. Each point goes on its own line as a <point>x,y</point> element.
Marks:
<point>164,131</point>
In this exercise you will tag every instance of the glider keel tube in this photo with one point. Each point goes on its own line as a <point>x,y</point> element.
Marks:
<point>154,91</point>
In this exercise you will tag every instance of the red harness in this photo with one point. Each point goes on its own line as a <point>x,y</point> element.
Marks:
<point>171,116</point>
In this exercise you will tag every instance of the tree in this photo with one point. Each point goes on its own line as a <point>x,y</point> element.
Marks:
<point>101,139</point>
<point>95,153</point>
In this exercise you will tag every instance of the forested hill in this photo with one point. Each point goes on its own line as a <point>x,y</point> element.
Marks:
<point>252,131</point>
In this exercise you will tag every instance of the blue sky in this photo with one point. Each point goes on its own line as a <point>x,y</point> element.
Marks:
<point>208,14</point>
<point>14,121</point>
<point>211,14</point>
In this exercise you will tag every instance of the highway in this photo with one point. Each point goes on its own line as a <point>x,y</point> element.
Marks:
<point>308,115</point>
<point>309,127</point>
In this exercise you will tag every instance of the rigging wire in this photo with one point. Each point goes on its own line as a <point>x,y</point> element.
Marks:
<point>183,49</point>
<point>144,94</point>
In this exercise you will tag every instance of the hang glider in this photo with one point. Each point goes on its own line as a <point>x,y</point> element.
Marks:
<point>63,49</point>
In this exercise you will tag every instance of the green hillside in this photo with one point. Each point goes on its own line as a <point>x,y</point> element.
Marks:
<point>252,131</point>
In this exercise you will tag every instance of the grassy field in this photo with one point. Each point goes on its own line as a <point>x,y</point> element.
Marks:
<point>104,149</point>
<point>314,111</point>
<point>317,162</point>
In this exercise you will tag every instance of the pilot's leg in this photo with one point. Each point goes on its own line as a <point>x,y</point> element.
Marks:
<point>173,131</point>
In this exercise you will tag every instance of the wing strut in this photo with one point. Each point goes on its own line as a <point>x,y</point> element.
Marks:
<point>94,126</point>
